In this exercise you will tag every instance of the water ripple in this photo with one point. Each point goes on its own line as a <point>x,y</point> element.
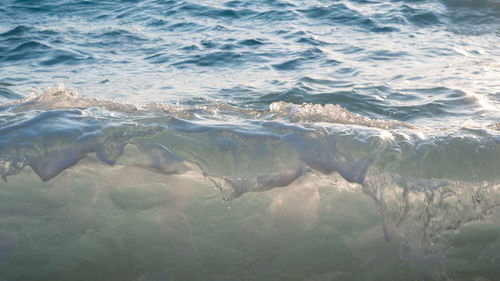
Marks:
<point>159,47</point>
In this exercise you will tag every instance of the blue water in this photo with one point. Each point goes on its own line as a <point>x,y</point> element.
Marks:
<point>250,140</point>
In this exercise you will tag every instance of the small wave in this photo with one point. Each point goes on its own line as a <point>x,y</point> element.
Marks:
<point>213,59</point>
<point>345,14</point>
<point>251,42</point>
<point>420,17</point>
<point>271,16</point>
<point>304,58</point>
<point>5,92</point>
<point>119,35</point>
<point>335,12</point>
<point>27,51</point>
<point>16,31</point>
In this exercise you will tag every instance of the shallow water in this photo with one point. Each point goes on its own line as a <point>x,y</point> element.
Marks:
<point>268,140</point>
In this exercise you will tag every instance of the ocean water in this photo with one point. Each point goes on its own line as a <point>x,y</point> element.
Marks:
<point>250,140</point>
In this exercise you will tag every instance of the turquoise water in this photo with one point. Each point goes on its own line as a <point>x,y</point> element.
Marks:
<point>263,140</point>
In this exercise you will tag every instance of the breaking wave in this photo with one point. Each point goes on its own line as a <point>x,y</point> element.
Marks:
<point>425,183</point>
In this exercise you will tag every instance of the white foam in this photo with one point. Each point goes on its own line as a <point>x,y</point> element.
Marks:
<point>312,113</point>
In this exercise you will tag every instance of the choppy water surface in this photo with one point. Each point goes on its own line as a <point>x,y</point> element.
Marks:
<point>250,140</point>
